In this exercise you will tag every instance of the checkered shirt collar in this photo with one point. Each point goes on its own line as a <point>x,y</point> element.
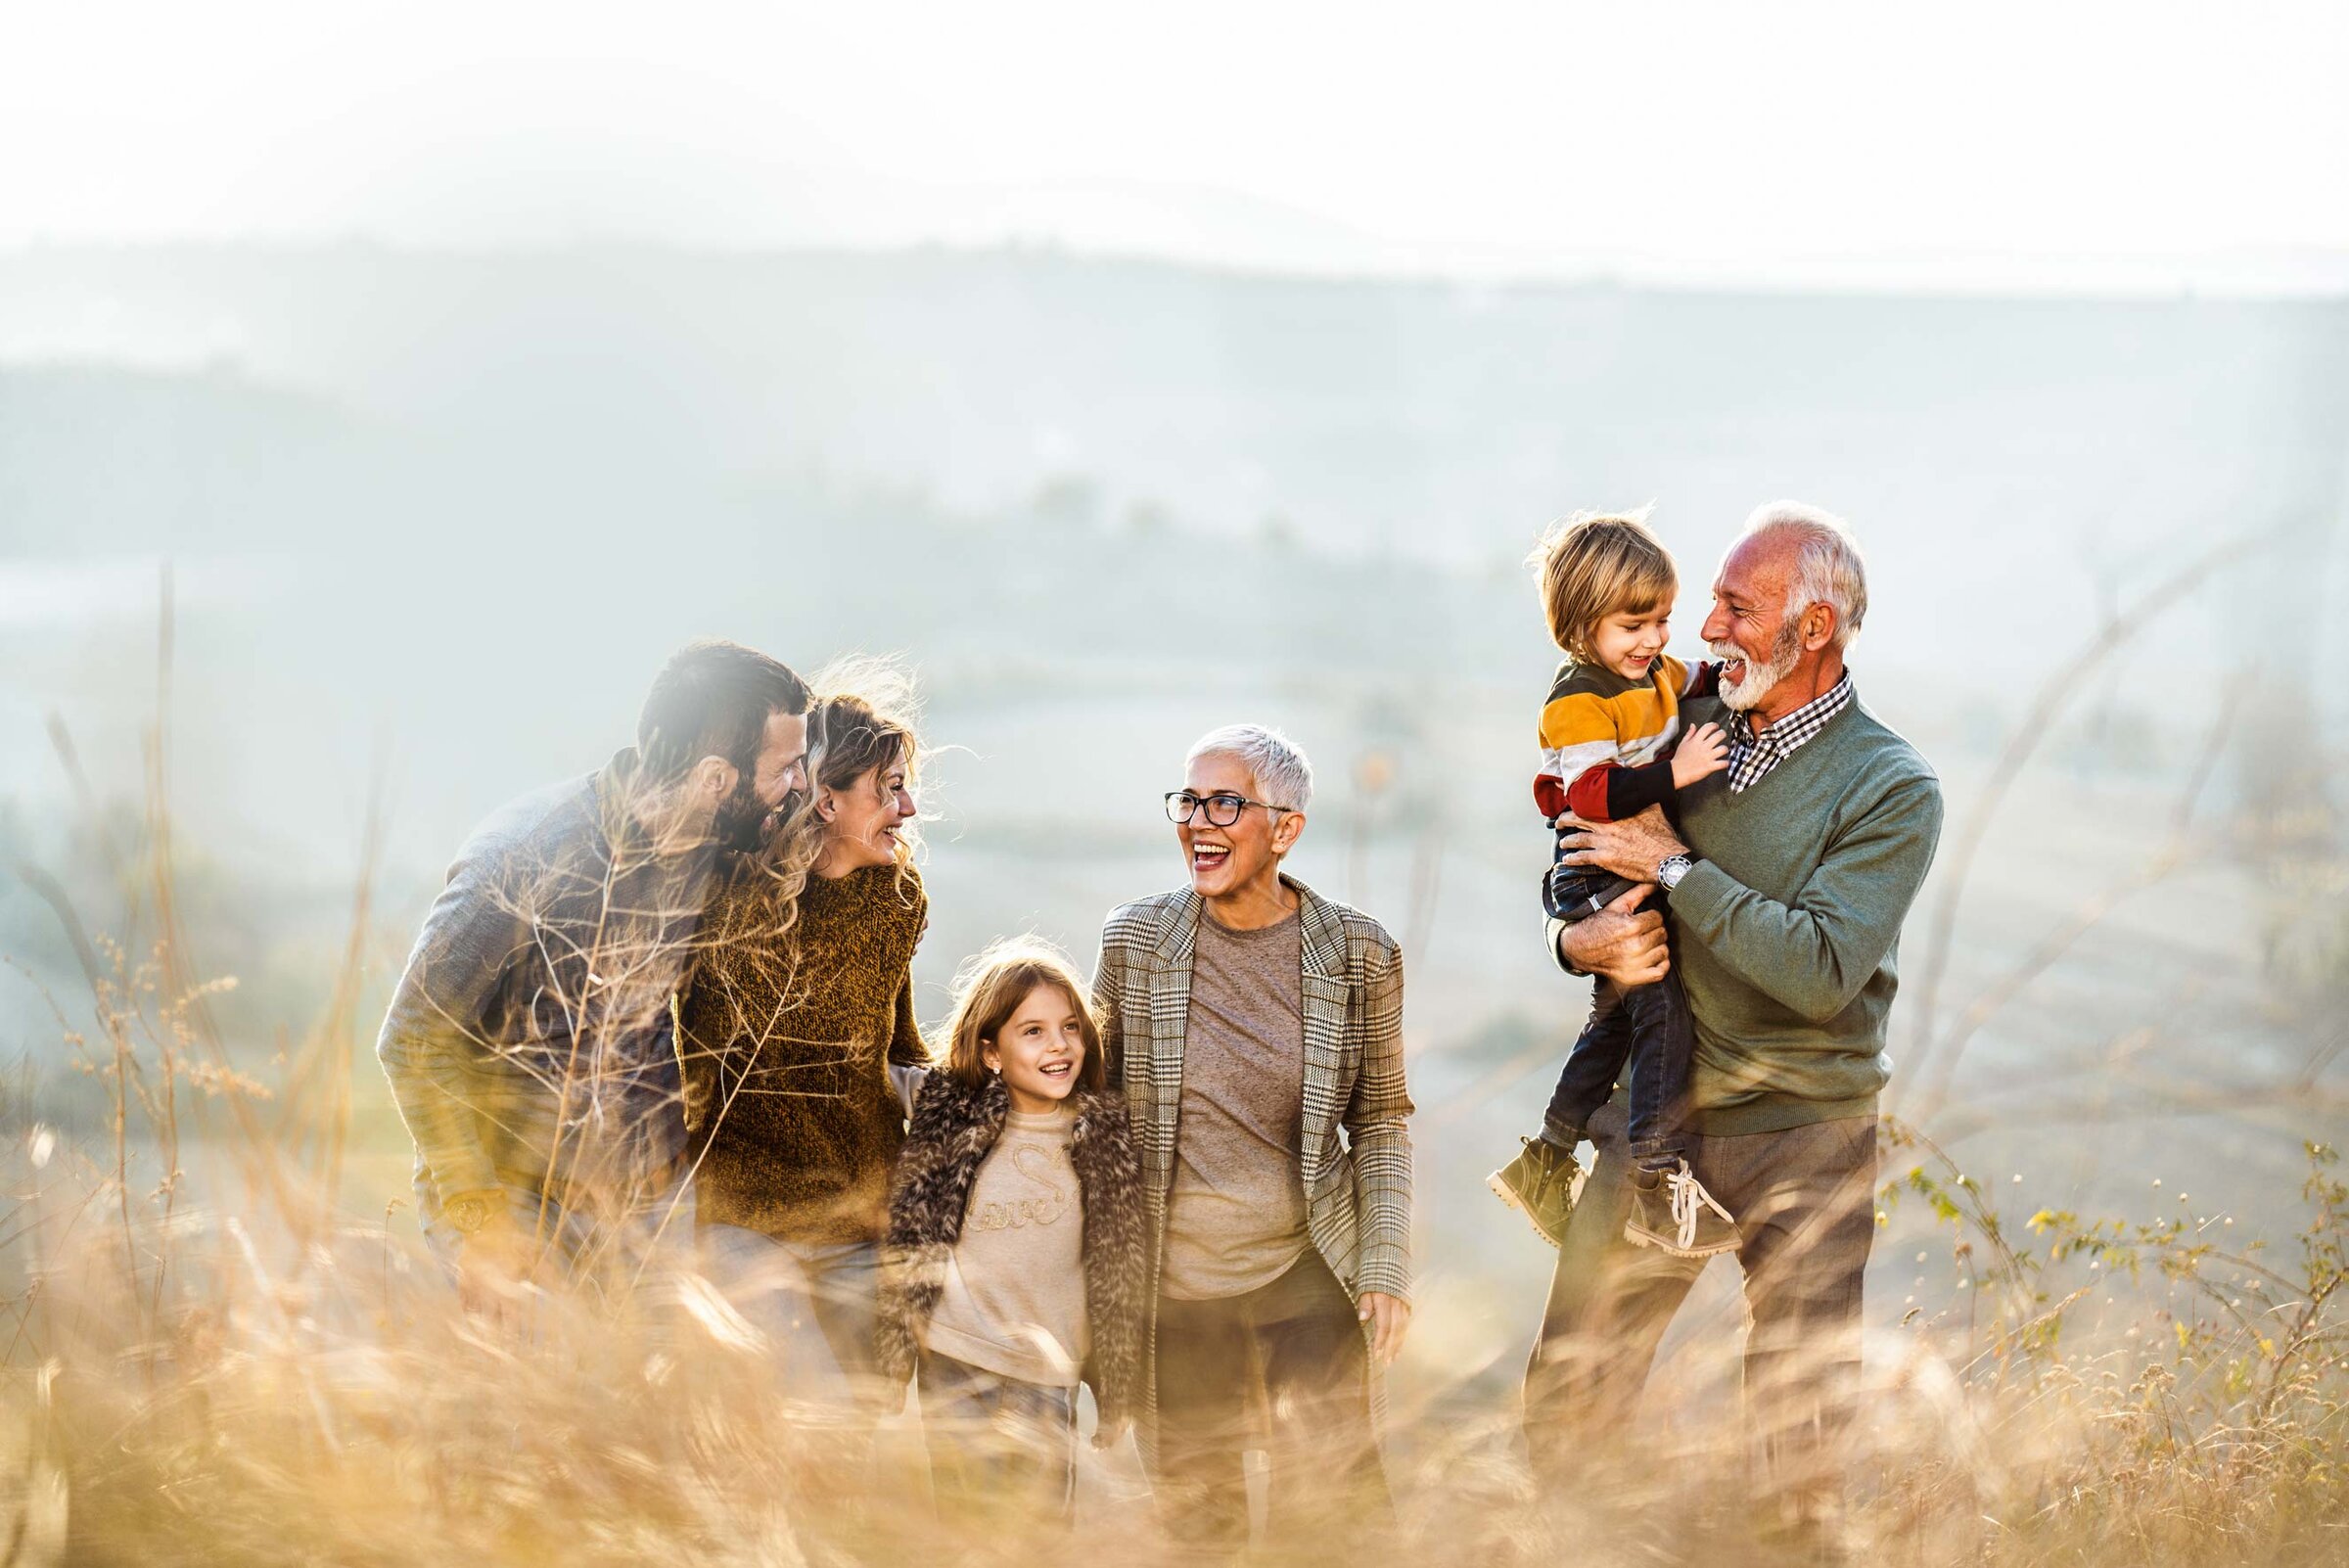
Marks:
<point>1754,753</point>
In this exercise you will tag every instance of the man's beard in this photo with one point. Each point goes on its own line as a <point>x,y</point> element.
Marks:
<point>1760,679</point>
<point>740,818</point>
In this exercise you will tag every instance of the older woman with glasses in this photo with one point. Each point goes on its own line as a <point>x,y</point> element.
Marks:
<point>1256,1029</point>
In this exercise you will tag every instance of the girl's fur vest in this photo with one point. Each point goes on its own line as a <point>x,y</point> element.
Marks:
<point>954,1128</point>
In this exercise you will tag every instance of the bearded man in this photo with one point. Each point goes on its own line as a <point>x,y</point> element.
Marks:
<point>529,1042</point>
<point>1790,876</point>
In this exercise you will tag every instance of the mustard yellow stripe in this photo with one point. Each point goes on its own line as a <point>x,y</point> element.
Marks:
<point>1581,717</point>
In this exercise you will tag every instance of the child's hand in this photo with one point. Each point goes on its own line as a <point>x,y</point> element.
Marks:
<point>1703,752</point>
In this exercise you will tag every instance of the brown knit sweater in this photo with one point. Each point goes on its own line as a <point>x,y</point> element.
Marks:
<point>785,1053</point>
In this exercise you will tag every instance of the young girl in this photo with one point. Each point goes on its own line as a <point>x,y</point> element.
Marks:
<point>1015,1255</point>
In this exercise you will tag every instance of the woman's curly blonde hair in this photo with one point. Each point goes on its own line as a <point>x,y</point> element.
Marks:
<point>862,722</point>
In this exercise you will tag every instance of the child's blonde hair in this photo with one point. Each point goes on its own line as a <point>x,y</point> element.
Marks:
<point>1598,564</point>
<point>991,989</point>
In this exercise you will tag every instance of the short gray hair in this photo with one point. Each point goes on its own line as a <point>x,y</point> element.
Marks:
<point>1827,568</point>
<point>1282,774</point>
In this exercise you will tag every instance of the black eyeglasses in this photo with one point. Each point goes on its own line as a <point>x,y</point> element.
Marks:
<point>1223,809</point>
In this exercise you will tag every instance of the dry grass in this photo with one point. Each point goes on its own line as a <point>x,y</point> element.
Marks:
<point>227,1377</point>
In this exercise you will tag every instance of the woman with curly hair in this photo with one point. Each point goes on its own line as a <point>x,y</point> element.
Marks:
<point>800,1006</point>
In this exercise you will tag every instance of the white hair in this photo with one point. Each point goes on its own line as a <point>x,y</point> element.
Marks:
<point>1284,777</point>
<point>1827,568</point>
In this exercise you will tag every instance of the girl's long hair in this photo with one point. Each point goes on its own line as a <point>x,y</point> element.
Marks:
<point>991,989</point>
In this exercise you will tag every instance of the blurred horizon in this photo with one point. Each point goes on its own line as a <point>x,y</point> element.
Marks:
<point>1177,229</point>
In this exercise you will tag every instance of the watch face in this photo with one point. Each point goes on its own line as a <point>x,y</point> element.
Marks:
<point>466,1213</point>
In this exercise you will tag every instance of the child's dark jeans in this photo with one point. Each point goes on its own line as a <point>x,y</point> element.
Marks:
<point>1572,893</point>
<point>1647,1027</point>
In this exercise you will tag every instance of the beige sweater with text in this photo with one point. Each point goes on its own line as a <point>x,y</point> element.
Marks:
<point>1014,1302</point>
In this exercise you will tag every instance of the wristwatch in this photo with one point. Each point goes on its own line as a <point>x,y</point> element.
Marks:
<point>1671,870</point>
<point>467,1212</point>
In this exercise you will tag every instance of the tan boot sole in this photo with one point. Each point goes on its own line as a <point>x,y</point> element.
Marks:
<point>1502,1191</point>
<point>1642,1238</point>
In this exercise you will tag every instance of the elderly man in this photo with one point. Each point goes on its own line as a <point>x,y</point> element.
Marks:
<point>529,1043</point>
<point>1257,1030</point>
<point>1791,875</point>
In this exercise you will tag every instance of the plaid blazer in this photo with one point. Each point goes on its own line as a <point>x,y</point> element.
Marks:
<point>1358,1188</point>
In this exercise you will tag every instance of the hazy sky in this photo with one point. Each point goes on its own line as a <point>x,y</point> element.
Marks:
<point>1994,140</point>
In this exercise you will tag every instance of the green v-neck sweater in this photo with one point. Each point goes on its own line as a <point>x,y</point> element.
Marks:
<point>1786,930</point>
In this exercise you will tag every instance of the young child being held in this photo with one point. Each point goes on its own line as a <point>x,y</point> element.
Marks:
<point>1608,732</point>
<point>1015,1265</point>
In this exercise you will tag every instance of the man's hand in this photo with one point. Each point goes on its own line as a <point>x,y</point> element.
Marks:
<point>494,1266</point>
<point>1623,942</point>
<point>1388,1317</point>
<point>1703,752</point>
<point>1631,848</point>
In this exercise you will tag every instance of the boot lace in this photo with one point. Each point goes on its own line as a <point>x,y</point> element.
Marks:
<point>1688,1200</point>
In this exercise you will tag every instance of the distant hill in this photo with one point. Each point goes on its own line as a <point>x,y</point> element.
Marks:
<point>490,490</point>
<point>1426,418</point>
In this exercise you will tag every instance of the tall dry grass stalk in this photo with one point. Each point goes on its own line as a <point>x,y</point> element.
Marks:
<point>1936,1049</point>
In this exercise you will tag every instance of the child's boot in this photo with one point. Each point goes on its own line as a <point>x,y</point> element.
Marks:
<point>1539,1183</point>
<point>1673,1212</point>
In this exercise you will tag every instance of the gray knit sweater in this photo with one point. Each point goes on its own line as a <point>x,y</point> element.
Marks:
<point>1786,931</point>
<point>528,1041</point>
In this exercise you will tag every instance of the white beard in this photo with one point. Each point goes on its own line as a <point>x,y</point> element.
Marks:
<point>1760,679</point>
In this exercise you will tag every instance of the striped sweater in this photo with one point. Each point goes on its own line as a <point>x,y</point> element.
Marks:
<point>1606,742</point>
